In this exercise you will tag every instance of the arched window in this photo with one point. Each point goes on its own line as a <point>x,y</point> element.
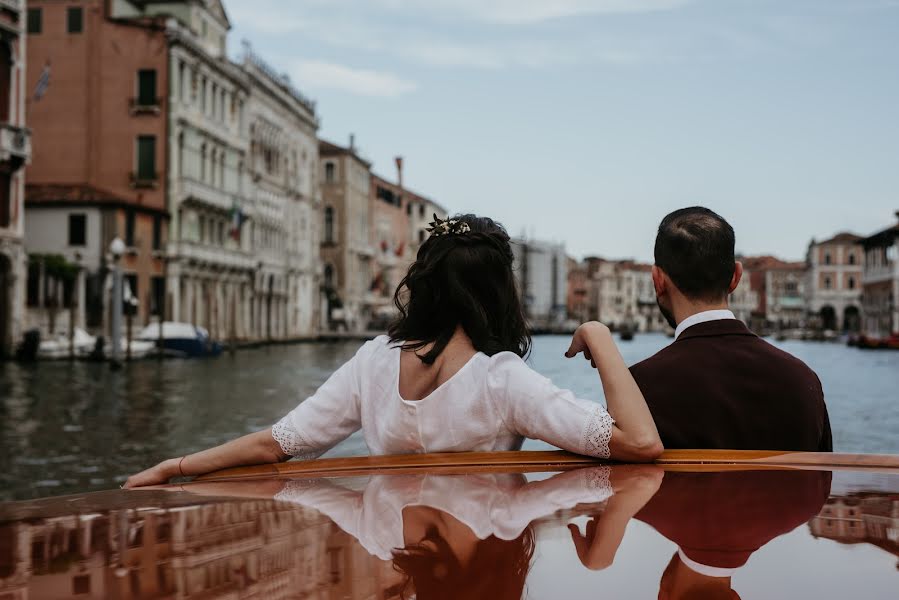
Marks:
<point>329,276</point>
<point>851,283</point>
<point>827,283</point>
<point>203,162</point>
<point>329,172</point>
<point>329,225</point>
<point>212,167</point>
<point>852,258</point>
<point>827,258</point>
<point>222,170</point>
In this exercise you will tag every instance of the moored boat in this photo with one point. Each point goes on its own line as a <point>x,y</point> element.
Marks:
<point>181,340</point>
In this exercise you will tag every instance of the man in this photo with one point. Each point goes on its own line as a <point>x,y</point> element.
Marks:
<point>719,385</point>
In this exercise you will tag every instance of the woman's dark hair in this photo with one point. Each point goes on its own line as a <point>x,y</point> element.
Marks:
<point>497,570</point>
<point>462,279</point>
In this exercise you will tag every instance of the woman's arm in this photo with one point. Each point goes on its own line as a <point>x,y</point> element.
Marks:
<point>634,486</point>
<point>634,435</point>
<point>253,449</point>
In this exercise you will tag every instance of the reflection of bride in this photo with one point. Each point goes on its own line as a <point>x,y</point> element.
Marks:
<point>468,536</point>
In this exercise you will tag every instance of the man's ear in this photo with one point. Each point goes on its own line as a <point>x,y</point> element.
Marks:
<point>735,280</point>
<point>659,281</point>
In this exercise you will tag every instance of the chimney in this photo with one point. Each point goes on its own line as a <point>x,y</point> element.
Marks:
<point>352,142</point>
<point>399,171</point>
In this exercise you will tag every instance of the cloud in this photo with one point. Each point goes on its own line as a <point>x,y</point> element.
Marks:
<point>521,12</point>
<point>314,74</point>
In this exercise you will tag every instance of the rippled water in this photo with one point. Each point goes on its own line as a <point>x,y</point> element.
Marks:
<point>72,427</point>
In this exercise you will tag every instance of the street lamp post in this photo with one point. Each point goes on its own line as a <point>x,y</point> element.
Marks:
<point>117,249</point>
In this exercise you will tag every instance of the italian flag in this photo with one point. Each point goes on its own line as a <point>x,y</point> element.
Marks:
<point>237,219</point>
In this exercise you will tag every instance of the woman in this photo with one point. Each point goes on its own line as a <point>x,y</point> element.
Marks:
<point>450,377</point>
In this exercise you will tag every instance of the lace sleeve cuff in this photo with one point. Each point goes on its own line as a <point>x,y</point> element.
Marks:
<point>598,433</point>
<point>293,442</point>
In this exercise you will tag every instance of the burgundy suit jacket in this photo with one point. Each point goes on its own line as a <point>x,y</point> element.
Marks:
<point>721,386</point>
<point>720,519</point>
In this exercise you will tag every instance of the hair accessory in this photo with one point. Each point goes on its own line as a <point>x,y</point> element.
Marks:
<point>447,226</point>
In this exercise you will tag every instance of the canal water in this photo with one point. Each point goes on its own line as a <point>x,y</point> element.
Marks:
<point>75,427</point>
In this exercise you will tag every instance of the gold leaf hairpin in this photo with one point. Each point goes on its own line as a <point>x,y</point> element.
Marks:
<point>447,226</point>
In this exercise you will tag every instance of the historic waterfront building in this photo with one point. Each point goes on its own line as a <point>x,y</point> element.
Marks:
<point>744,300</point>
<point>285,203</point>
<point>206,169</point>
<point>880,282</point>
<point>15,151</point>
<point>98,164</point>
<point>577,293</point>
<point>390,237</point>
<point>622,295</point>
<point>541,270</point>
<point>780,288</point>
<point>834,282</point>
<point>346,246</point>
<point>212,265</point>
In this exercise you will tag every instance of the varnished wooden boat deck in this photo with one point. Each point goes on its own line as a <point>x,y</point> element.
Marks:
<point>469,462</point>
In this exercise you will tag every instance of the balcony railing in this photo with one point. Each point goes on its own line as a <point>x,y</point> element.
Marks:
<point>145,180</point>
<point>144,106</point>
<point>15,143</point>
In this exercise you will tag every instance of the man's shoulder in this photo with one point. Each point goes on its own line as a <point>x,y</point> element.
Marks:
<point>748,350</point>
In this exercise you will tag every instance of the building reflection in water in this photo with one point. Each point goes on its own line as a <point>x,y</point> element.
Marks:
<point>239,549</point>
<point>861,518</point>
<point>318,540</point>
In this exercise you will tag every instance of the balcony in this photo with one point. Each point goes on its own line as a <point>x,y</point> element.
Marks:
<point>146,106</point>
<point>193,189</point>
<point>144,180</point>
<point>11,5</point>
<point>214,255</point>
<point>15,144</point>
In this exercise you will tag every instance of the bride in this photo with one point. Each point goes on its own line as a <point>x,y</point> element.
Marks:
<point>451,376</point>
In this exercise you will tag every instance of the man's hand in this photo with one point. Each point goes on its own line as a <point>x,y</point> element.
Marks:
<point>587,335</point>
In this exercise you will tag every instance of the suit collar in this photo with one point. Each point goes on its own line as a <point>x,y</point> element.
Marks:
<point>715,328</point>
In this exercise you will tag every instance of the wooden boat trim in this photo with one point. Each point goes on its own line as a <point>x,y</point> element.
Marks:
<point>556,460</point>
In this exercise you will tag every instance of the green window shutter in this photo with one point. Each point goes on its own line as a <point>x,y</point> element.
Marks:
<point>35,20</point>
<point>146,87</point>
<point>146,157</point>
<point>75,19</point>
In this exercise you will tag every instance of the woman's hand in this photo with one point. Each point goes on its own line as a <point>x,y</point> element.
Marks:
<point>587,336</point>
<point>156,475</point>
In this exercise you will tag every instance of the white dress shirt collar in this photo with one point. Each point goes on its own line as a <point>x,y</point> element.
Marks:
<point>702,317</point>
<point>704,569</point>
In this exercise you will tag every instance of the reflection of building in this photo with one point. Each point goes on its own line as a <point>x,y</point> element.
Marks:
<point>880,282</point>
<point>346,248</point>
<point>834,282</point>
<point>541,269</point>
<point>240,549</point>
<point>860,518</point>
<point>15,151</point>
<point>99,159</point>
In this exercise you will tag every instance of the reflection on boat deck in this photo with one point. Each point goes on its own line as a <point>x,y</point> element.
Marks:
<point>436,536</point>
<point>861,518</point>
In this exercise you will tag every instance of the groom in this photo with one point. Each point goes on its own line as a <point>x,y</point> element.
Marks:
<point>718,385</point>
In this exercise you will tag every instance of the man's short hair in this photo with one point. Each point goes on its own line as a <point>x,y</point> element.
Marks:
<point>695,248</point>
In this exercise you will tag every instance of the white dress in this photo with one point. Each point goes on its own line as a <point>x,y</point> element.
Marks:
<point>491,403</point>
<point>488,504</point>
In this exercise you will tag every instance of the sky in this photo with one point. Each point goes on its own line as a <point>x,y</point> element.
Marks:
<point>586,121</point>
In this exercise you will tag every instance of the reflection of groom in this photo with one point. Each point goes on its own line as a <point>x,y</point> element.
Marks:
<point>718,520</point>
<point>718,385</point>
